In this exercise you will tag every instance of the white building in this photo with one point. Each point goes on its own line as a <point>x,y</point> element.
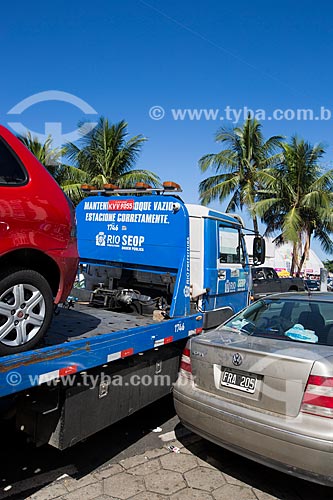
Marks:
<point>279,257</point>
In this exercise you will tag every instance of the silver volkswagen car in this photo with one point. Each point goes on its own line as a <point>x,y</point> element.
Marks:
<point>261,384</point>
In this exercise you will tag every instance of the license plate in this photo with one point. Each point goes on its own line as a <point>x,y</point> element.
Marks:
<point>241,381</point>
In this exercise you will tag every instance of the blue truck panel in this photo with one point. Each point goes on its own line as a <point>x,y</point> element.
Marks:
<point>142,233</point>
<point>132,232</point>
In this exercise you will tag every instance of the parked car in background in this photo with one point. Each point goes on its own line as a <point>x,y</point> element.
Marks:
<point>266,281</point>
<point>312,285</point>
<point>261,385</point>
<point>38,250</point>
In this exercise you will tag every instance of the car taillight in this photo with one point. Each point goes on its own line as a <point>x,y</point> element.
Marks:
<point>318,396</point>
<point>185,364</point>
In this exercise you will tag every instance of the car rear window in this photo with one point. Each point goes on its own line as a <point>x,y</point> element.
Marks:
<point>11,169</point>
<point>299,320</point>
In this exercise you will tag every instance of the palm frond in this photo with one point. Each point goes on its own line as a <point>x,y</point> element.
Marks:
<point>217,187</point>
<point>130,178</point>
<point>245,155</point>
<point>106,155</point>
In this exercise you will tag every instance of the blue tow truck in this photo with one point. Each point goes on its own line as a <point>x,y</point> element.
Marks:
<point>156,271</point>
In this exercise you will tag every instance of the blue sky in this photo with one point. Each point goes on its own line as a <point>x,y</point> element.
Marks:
<point>123,58</point>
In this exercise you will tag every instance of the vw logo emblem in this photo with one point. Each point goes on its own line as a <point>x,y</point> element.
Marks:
<point>237,359</point>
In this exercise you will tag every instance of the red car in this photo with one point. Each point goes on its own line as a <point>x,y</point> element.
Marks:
<point>38,249</point>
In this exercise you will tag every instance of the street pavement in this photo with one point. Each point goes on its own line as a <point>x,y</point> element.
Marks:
<point>137,458</point>
<point>171,472</point>
<point>185,467</point>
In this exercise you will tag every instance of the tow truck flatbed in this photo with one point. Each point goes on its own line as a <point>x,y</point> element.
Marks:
<point>84,338</point>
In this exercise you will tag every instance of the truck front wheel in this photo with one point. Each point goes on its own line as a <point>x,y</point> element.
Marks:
<point>26,307</point>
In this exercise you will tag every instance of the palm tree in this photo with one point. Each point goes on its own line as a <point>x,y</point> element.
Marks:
<point>104,155</point>
<point>299,200</point>
<point>238,166</point>
<point>48,156</point>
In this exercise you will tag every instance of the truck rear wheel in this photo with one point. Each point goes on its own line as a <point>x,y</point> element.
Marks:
<point>26,307</point>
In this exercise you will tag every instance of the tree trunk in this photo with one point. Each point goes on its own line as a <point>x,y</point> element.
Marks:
<point>293,263</point>
<point>306,250</point>
<point>294,260</point>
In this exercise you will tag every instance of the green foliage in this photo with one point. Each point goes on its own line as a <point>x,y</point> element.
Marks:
<point>104,155</point>
<point>297,199</point>
<point>48,156</point>
<point>329,265</point>
<point>238,167</point>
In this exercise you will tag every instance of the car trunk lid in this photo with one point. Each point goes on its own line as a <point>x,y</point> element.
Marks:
<point>263,373</point>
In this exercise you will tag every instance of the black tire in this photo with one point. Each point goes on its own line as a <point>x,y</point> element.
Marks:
<point>23,324</point>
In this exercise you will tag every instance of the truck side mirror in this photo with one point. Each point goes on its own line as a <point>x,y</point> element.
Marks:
<point>259,250</point>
